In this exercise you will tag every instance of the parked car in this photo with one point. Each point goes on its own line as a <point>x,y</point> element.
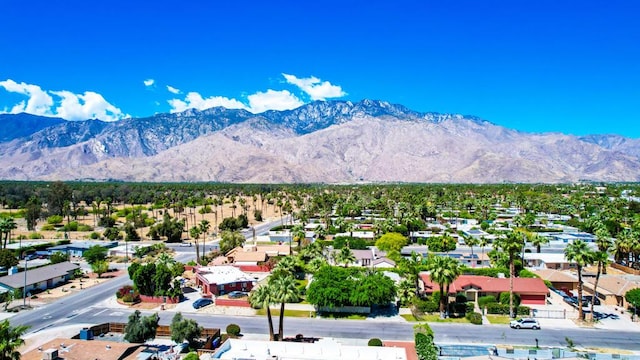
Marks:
<point>237,294</point>
<point>589,299</point>
<point>525,323</point>
<point>186,244</point>
<point>202,302</point>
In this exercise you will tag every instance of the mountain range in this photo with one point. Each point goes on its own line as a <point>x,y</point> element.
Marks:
<point>323,141</point>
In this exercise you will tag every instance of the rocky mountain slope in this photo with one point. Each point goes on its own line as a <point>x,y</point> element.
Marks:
<point>336,141</point>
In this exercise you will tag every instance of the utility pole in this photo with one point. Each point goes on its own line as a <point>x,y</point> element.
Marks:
<point>24,290</point>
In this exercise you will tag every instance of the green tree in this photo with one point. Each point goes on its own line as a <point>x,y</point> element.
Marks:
<point>443,271</point>
<point>32,211</point>
<point>231,240</point>
<point>58,194</point>
<point>285,290</point>
<point>391,241</point>
<point>204,227</point>
<point>112,233</point>
<point>58,257</point>
<point>7,225</point>
<point>425,348</point>
<point>195,234</point>
<point>184,329</point>
<point>94,254</point>
<point>373,289</point>
<point>11,340</point>
<point>100,267</point>
<point>140,329</point>
<point>512,246</point>
<point>633,297</point>
<point>263,297</point>
<point>7,258</point>
<point>579,253</point>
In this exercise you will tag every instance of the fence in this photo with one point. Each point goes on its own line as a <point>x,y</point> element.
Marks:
<point>549,314</point>
<point>162,330</point>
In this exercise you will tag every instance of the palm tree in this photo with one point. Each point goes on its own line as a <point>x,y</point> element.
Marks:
<point>11,340</point>
<point>443,270</point>
<point>538,241</point>
<point>195,233</point>
<point>512,246</point>
<point>580,253</point>
<point>602,260</point>
<point>345,256</point>
<point>288,265</point>
<point>298,234</point>
<point>166,260</point>
<point>262,297</point>
<point>406,291</point>
<point>285,290</point>
<point>7,225</point>
<point>483,243</point>
<point>471,242</point>
<point>204,227</point>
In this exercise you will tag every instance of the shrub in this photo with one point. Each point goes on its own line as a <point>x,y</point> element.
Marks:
<point>94,236</point>
<point>54,219</point>
<point>427,306</point>
<point>192,356</point>
<point>84,227</point>
<point>485,300</point>
<point>470,306</point>
<point>502,309</point>
<point>474,318</point>
<point>374,342</point>
<point>233,330</point>
<point>35,236</point>
<point>22,237</point>
<point>48,227</point>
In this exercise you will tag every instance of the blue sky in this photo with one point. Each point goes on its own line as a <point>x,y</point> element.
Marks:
<point>569,66</point>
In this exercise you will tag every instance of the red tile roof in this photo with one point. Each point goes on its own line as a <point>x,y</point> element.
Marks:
<point>489,284</point>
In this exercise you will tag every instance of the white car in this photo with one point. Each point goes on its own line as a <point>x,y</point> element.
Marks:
<point>525,323</point>
<point>186,244</point>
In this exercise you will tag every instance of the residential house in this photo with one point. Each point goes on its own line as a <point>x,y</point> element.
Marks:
<point>220,280</point>
<point>532,291</point>
<point>76,349</point>
<point>612,288</point>
<point>561,280</point>
<point>555,261</point>
<point>39,279</point>
<point>77,248</point>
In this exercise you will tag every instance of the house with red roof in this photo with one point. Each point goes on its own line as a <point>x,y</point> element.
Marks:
<point>532,291</point>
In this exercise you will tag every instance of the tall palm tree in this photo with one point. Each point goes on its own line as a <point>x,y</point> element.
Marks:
<point>262,297</point>
<point>204,227</point>
<point>285,290</point>
<point>512,246</point>
<point>195,233</point>
<point>602,260</point>
<point>579,253</point>
<point>443,270</point>
<point>11,340</point>
<point>483,243</point>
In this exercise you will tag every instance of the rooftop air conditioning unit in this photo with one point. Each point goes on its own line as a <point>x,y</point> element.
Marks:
<point>50,354</point>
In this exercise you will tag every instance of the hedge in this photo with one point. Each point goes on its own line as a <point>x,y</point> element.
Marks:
<point>374,342</point>
<point>501,309</point>
<point>486,300</point>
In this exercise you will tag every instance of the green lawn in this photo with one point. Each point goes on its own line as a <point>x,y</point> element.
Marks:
<point>288,313</point>
<point>498,319</point>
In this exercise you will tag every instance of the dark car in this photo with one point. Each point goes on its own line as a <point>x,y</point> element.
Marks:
<point>589,298</point>
<point>237,294</point>
<point>202,302</point>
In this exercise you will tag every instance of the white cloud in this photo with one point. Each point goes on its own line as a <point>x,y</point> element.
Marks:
<point>273,100</point>
<point>149,82</point>
<point>89,105</point>
<point>194,100</point>
<point>315,88</point>
<point>39,102</point>
<point>173,90</point>
<point>258,102</point>
<point>67,105</point>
